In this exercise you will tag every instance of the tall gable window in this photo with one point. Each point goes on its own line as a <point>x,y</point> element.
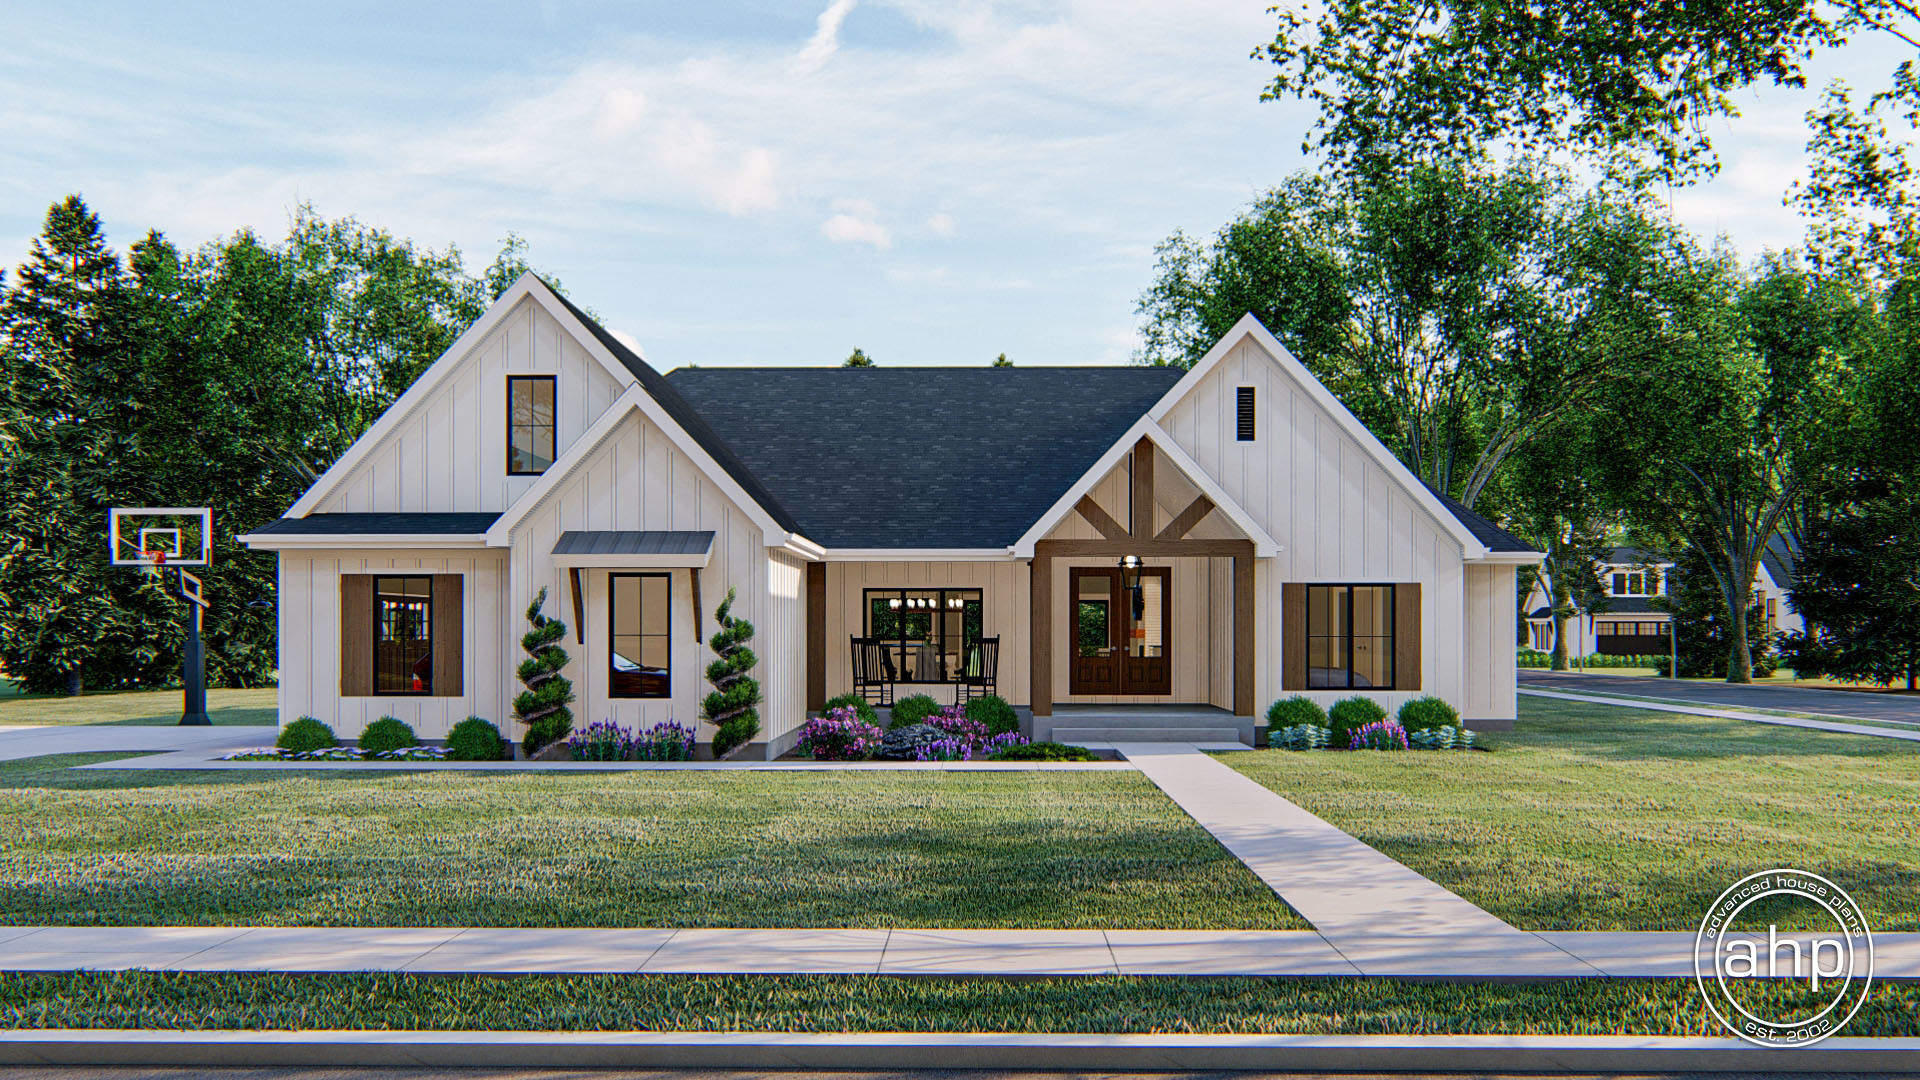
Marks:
<point>1350,636</point>
<point>642,652</point>
<point>1243,419</point>
<point>530,424</point>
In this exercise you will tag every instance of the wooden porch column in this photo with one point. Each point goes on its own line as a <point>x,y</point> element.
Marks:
<point>1140,501</point>
<point>1243,633</point>
<point>816,636</point>
<point>1040,658</point>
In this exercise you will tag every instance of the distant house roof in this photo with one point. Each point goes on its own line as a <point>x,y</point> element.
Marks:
<point>1483,530</point>
<point>379,524</point>
<point>1628,605</point>
<point>1779,559</point>
<point>894,457</point>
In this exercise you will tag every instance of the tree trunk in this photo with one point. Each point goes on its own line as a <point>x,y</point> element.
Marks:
<point>1739,654</point>
<point>1560,642</point>
<point>73,683</point>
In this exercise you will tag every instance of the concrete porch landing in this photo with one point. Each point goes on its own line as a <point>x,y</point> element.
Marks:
<point>1105,725</point>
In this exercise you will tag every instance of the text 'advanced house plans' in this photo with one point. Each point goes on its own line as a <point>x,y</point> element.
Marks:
<point>911,527</point>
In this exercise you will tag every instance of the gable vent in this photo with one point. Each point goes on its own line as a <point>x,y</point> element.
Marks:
<point>1244,422</point>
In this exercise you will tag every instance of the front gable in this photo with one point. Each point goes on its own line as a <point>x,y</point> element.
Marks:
<point>442,446</point>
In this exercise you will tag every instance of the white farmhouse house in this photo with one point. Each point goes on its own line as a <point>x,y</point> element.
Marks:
<point>1085,542</point>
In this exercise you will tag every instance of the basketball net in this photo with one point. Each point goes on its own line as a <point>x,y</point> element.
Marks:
<point>159,558</point>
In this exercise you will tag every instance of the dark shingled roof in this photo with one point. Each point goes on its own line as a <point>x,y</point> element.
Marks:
<point>1483,530</point>
<point>684,414</point>
<point>379,524</point>
<point>626,542</point>
<point>1779,558</point>
<point>893,457</point>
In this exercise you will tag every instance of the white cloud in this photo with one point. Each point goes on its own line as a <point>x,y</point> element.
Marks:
<point>940,224</point>
<point>855,222</point>
<point>825,40</point>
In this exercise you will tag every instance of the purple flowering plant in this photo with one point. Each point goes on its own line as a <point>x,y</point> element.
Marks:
<point>667,740</point>
<point>603,740</point>
<point>838,735</point>
<point>965,740</point>
<point>1379,735</point>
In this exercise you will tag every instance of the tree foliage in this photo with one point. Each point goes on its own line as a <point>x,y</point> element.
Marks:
<point>730,707</point>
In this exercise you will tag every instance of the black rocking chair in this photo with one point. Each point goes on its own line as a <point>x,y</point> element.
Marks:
<point>979,670</point>
<point>874,675</point>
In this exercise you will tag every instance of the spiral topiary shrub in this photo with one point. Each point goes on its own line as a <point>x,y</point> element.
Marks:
<point>855,702</point>
<point>993,711</point>
<point>304,735</point>
<point>474,739</point>
<point>1349,715</point>
<point>1428,712</point>
<point>542,706</point>
<point>730,708</point>
<point>385,734</point>
<point>912,710</point>
<point>1294,712</point>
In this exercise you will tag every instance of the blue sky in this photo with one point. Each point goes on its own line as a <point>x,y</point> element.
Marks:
<point>934,182</point>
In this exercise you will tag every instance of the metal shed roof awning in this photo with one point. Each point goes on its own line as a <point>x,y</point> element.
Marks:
<point>652,548</point>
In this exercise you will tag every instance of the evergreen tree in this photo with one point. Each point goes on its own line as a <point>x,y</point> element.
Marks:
<point>542,706</point>
<point>858,358</point>
<point>68,619</point>
<point>1858,587</point>
<point>1002,361</point>
<point>1703,636</point>
<point>730,707</point>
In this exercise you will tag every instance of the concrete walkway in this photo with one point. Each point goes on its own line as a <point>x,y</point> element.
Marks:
<point>966,952</point>
<point>1844,704</point>
<point>1731,714</point>
<point>1382,916</point>
<point>24,741</point>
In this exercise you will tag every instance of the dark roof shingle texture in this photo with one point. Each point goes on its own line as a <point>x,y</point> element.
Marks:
<point>920,457</point>
<point>380,524</point>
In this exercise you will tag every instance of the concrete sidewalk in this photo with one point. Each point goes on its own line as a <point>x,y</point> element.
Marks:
<point>928,952</point>
<point>23,741</point>
<point>1731,714</point>
<point>1382,916</point>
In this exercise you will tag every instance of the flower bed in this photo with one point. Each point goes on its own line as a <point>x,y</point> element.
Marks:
<point>604,740</point>
<point>337,753</point>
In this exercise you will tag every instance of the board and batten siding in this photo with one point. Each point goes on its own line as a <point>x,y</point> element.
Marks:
<point>310,641</point>
<point>1339,517</point>
<point>449,453</point>
<point>1003,589</point>
<point>637,479</point>
<point>780,640</point>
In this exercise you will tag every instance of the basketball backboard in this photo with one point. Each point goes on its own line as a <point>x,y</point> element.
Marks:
<point>160,535</point>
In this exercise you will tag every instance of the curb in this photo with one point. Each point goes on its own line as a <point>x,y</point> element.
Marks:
<point>893,1050</point>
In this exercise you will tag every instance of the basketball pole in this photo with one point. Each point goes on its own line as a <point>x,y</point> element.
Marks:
<point>193,665</point>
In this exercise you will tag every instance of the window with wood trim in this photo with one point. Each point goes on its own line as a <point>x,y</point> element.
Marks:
<point>403,635</point>
<point>1243,414</point>
<point>1350,637</point>
<point>926,632</point>
<point>530,424</point>
<point>640,654</point>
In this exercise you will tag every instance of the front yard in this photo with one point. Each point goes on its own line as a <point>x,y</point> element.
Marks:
<point>860,849</point>
<point>155,707</point>
<point>1592,817</point>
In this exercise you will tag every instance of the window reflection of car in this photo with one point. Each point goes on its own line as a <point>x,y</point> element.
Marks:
<point>423,674</point>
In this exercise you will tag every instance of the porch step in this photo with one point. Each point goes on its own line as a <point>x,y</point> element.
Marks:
<point>1107,732</point>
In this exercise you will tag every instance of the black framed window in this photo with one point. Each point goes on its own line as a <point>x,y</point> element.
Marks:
<point>640,654</point>
<point>1243,418</point>
<point>403,635</point>
<point>1350,636</point>
<point>928,631</point>
<point>530,424</point>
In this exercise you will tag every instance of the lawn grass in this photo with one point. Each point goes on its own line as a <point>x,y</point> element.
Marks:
<point>199,1001</point>
<point>1596,817</point>
<point>153,707</point>
<point>801,849</point>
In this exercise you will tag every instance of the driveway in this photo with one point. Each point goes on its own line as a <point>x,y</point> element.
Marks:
<point>1891,708</point>
<point>24,741</point>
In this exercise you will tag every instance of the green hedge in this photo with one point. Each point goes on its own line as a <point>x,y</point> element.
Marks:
<point>387,733</point>
<point>304,735</point>
<point>1348,715</point>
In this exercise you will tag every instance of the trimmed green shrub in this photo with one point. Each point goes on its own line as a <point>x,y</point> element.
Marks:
<point>1044,751</point>
<point>474,739</point>
<point>731,705</point>
<point>1427,712</point>
<point>1349,715</point>
<point>387,733</point>
<point>542,706</point>
<point>1294,712</point>
<point>306,734</point>
<point>855,702</point>
<point>913,710</point>
<point>1299,737</point>
<point>993,711</point>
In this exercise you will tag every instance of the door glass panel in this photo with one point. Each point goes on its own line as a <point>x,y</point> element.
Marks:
<point>1093,607</point>
<point>1147,637</point>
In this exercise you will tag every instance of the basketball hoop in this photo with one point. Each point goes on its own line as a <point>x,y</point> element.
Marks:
<point>161,538</point>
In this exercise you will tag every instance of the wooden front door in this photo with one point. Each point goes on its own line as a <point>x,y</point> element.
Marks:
<point>1119,639</point>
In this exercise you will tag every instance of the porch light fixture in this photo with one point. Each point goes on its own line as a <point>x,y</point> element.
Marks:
<point>894,603</point>
<point>1130,581</point>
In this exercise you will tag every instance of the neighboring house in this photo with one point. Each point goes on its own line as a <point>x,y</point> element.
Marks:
<point>1284,549</point>
<point>1631,622</point>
